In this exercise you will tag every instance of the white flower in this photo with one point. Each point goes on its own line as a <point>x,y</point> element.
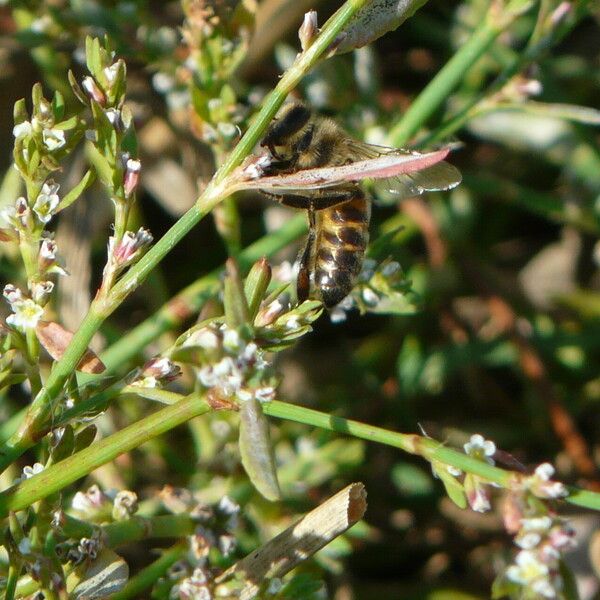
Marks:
<point>47,201</point>
<point>528,541</point>
<point>53,138</point>
<point>265,394</point>
<point>111,72</point>
<point>370,297</point>
<point>338,313</point>
<point>479,499</point>
<point>29,472</point>
<point>113,115</point>
<point>292,323</point>
<point>275,586</point>
<point>544,587</point>
<point>25,546</point>
<point>527,568</point>
<point>22,129</point>
<point>541,485</point>
<point>540,524</point>
<point>12,294</point>
<point>163,82</point>
<point>26,314</point>
<point>231,340</point>
<point>480,448</point>
<point>545,471</point>
<point>205,338</point>
<point>48,250</point>
<point>40,290</point>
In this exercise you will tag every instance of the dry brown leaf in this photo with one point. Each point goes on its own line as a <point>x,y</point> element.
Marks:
<point>55,339</point>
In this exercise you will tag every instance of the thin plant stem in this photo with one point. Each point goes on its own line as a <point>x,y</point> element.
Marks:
<point>101,308</point>
<point>429,449</point>
<point>440,87</point>
<point>78,465</point>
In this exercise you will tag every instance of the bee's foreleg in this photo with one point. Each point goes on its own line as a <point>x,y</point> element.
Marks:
<point>326,199</point>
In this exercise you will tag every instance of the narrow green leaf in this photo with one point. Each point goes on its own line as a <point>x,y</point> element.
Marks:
<point>79,93</point>
<point>454,488</point>
<point>236,307</point>
<point>374,20</point>
<point>255,450</point>
<point>20,114</point>
<point>75,192</point>
<point>58,105</point>
<point>256,285</point>
<point>567,112</point>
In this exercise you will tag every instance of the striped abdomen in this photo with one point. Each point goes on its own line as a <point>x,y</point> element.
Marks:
<point>340,244</point>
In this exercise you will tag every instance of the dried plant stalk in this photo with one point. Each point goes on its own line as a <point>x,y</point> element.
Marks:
<point>294,545</point>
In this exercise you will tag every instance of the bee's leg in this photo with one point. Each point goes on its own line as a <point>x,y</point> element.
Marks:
<point>328,198</point>
<point>303,280</point>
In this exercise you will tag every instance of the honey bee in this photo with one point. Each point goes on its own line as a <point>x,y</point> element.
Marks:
<point>339,214</point>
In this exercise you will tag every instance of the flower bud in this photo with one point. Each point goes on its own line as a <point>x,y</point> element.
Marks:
<point>132,176</point>
<point>93,90</point>
<point>308,30</point>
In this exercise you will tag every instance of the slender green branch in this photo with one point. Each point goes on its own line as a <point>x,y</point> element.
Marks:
<point>414,444</point>
<point>429,449</point>
<point>78,465</point>
<point>429,100</point>
<point>39,413</point>
<point>480,103</point>
<point>141,528</point>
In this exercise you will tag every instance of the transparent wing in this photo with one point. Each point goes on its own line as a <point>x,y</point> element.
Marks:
<point>438,177</point>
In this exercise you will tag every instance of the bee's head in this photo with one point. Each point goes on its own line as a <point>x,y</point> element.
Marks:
<point>286,128</point>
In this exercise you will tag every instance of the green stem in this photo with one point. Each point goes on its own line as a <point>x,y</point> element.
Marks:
<point>140,528</point>
<point>215,192</point>
<point>422,446</point>
<point>480,104</point>
<point>430,99</point>
<point>414,444</point>
<point>147,577</point>
<point>78,465</point>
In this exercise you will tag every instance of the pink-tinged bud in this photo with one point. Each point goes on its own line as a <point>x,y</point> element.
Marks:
<point>93,91</point>
<point>560,12</point>
<point>12,293</point>
<point>308,30</point>
<point>161,368</point>
<point>132,176</point>
<point>128,248</point>
<point>269,314</point>
<point>530,87</point>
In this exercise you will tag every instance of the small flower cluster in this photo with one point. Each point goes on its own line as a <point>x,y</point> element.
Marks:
<point>26,312</point>
<point>541,536</point>
<point>216,39</point>
<point>127,250</point>
<point>216,524</point>
<point>156,372</point>
<point>232,367</point>
<point>381,289</point>
<point>104,92</point>
<point>97,506</point>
